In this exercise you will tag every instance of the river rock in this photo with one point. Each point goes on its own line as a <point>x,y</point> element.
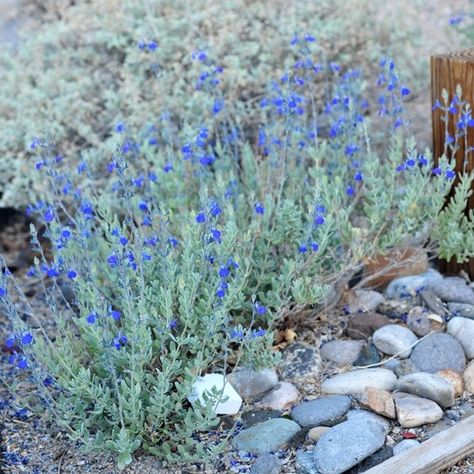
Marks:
<point>366,416</point>
<point>357,381</point>
<point>432,302</point>
<point>405,445</point>
<point>379,401</point>
<point>468,378</point>
<point>405,367</point>
<point>326,411</point>
<point>454,379</point>
<point>266,464</point>
<point>384,453</point>
<point>394,339</point>
<point>252,385</point>
<point>437,352</point>
<point>396,309</point>
<point>341,352</point>
<point>282,397</point>
<point>411,285</point>
<point>363,325</point>
<point>463,330</point>
<point>253,417</point>
<point>429,386</point>
<point>454,290</point>
<point>368,355</point>
<point>300,362</point>
<point>422,322</point>
<point>461,309</point>
<point>315,433</point>
<point>347,444</point>
<point>267,436</point>
<point>364,301</point>
<point>413,411</point>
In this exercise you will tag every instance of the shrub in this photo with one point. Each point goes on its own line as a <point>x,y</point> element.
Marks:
<point>80,71</point>
<point>186,257</point>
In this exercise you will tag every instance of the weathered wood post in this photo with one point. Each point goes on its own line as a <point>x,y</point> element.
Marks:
<point>447,72</point>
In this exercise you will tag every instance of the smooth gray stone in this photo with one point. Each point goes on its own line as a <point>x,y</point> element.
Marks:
<point>252,385</point>
<point>356,381</point>
<point>430,386</point>
<point>325,411</point>
<point>384,453</point>
<point>454,290</point>
<point>267,436</point>
<point>408,286</point>
<point>461,309</point>
<point>393,339</point>
<point>437,352</point>
<point>305,462</point>
<point>405,445</point>
<point>266,464</point>
<point>463,330</point>
<point>368,416</point>
<point>405,367</point>
<point>368,356</point>
<point>341,352</point>
<point>347,444</point>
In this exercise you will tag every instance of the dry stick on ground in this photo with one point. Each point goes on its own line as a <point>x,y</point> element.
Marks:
<point>432,456</point>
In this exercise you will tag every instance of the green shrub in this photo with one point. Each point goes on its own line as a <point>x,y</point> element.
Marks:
<point>187,255</point>
<point>80,71</point>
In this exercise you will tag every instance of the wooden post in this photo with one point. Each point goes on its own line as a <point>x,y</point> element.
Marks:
<point>434,455</point>
<point>447,72</point>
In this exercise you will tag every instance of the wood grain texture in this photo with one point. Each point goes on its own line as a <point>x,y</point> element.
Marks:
<point>447,72</point>
<point>439,452</point>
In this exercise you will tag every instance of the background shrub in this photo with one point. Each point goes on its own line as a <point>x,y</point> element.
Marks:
<point>80,71</point>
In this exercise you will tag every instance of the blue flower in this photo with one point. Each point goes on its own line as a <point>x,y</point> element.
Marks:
<point>113,260</point>
<point>358,176</point>
<point>319,220</point>
<point>116,314</point>
<point>173,241</point>
<point>422,160</point>
<point>224,272</point>
<point>71,274</point>
<point>302,248</point>
<point>236,334</point>
<point>3,292</point>
<point>350,190</point>
<point>143,206</point>
<point>200,218</point>
<point>49,215</point>
<point>217,107</point>
<point>216,235</point>
<point>10,342</point>
<point>259,209</point>
<point>22,363</point>
<point>167,168</point>
<point>119,127</point>
<point>27,338</point>
<point>123,240</point>
<point>173,324</point>
<point>258,332</point>
<point>91,318</point>
<point>309,38</point>
<point>260,309</point>
<point>450,174</point>
<point>152,45</point>
<point>220,293</point>
<point>436,171</point>
<point>314,246</point>
<point>215,210</point>
<point>404,91</point>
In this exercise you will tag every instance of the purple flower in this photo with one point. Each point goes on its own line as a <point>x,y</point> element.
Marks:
<point>173,324</point>
<point>436,171</point>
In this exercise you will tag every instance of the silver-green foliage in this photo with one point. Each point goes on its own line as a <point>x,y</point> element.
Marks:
<point>78,74</point>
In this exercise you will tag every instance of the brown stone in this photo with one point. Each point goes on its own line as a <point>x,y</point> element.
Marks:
<point>379,401</point>
<point>422,322</point>
<point>468,377</point>
<point>363,325</point>
<point>454,379</point>
<point>396,263</point>
<point>315,433</point>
